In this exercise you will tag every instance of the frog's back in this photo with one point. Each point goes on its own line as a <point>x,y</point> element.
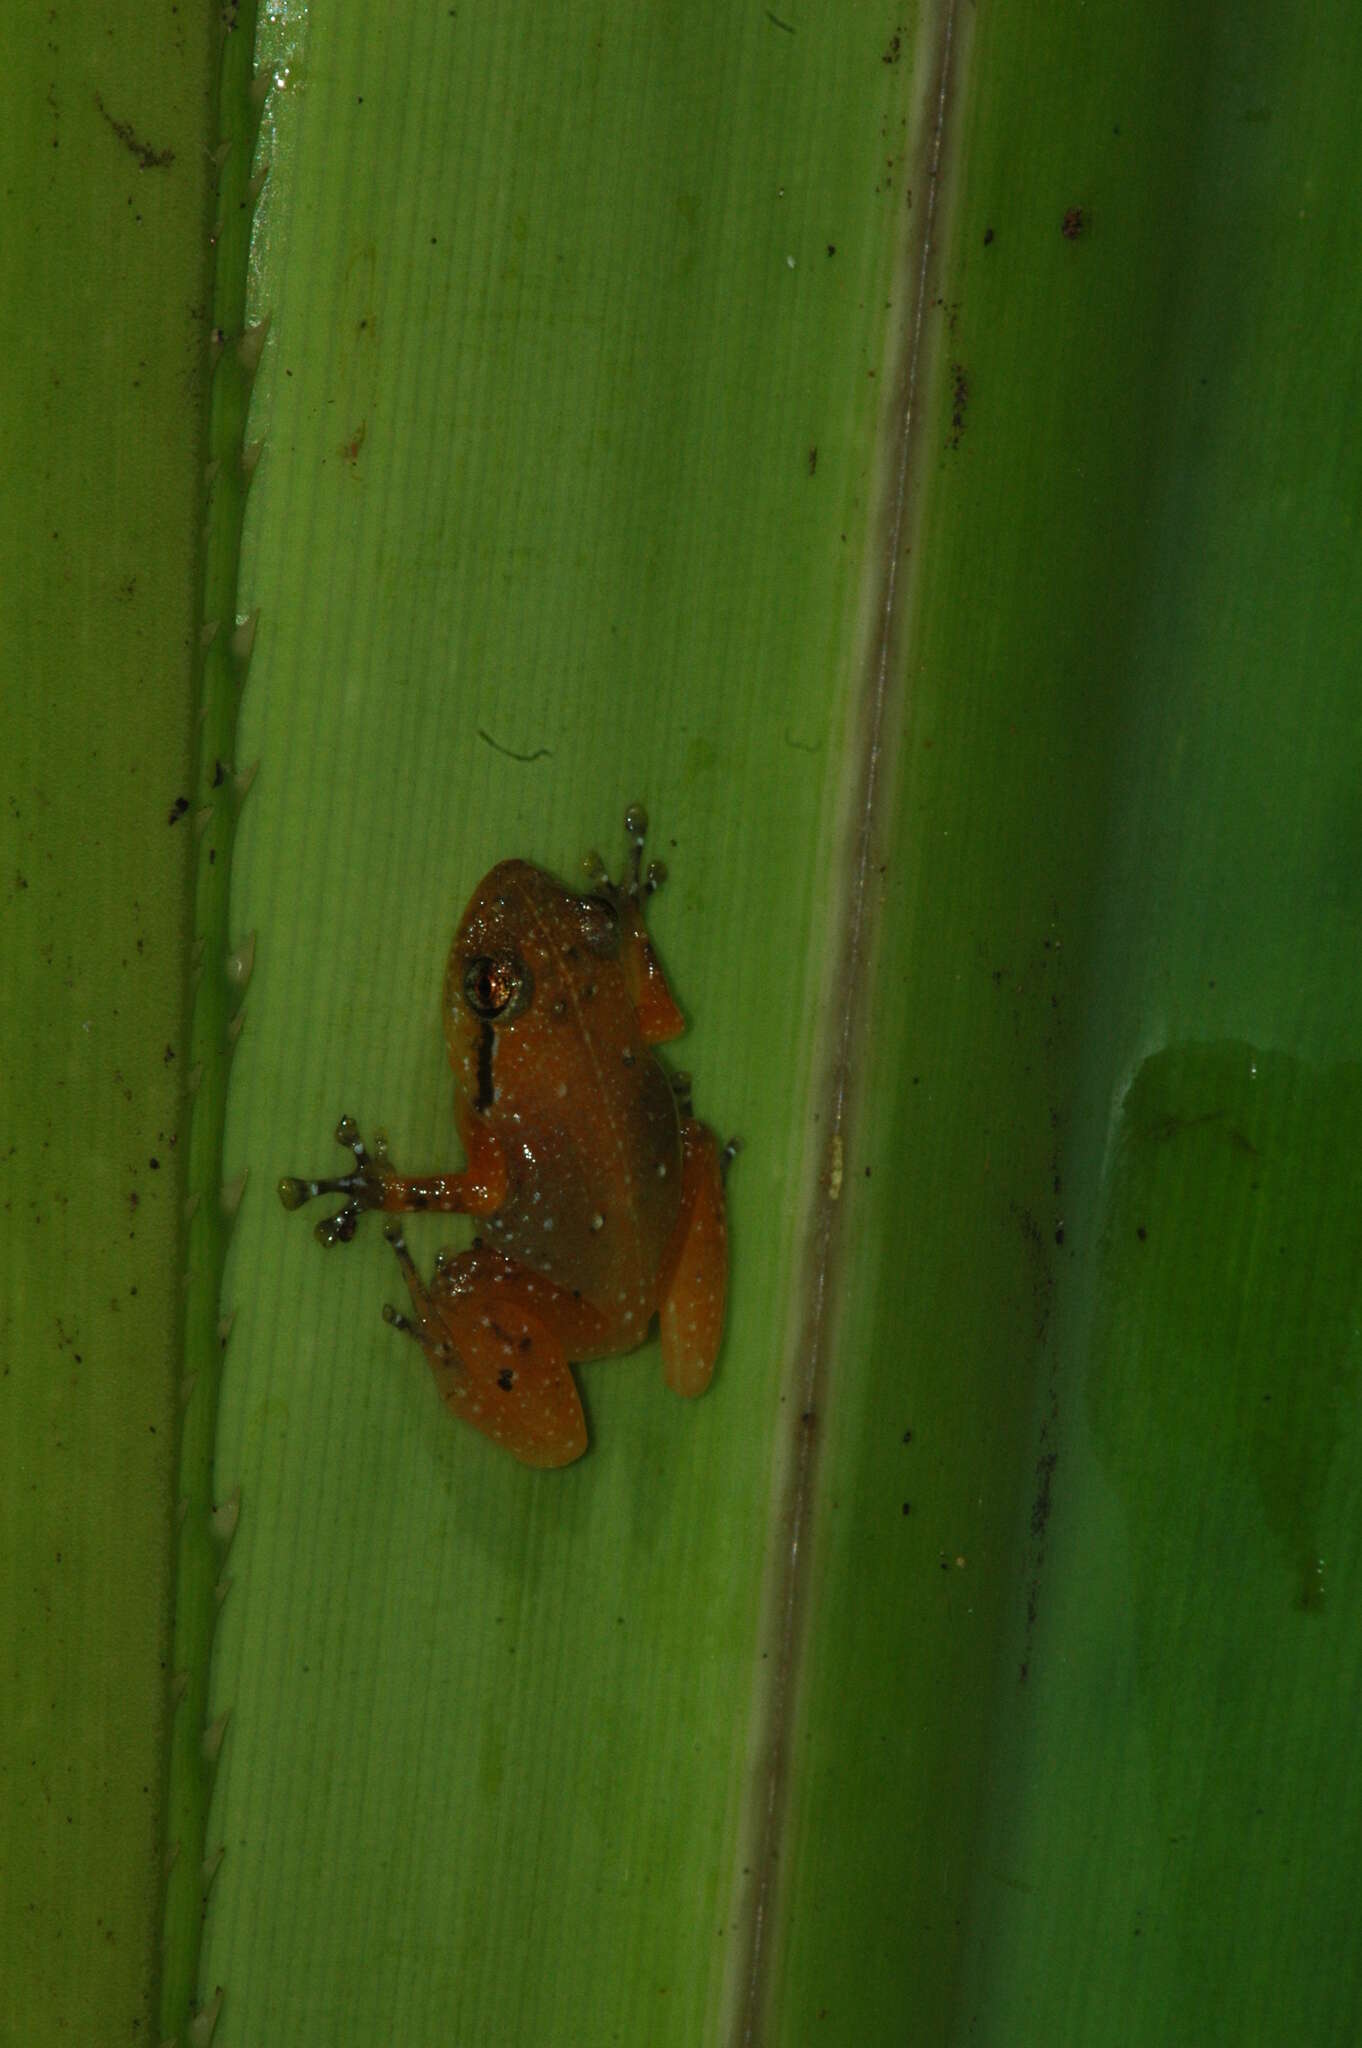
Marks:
<point>585,1113</point>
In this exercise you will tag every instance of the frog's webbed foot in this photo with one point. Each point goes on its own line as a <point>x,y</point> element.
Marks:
<point>363,1189</point>
<point>659,1018</point>
<point>639,883</point>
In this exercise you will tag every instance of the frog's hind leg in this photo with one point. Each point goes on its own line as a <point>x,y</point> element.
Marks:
<point>427,1328</point>
<point>695,1270</point>
<point>496,1357</point>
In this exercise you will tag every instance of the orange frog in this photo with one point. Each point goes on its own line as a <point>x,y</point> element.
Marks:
<point>599,1196</point>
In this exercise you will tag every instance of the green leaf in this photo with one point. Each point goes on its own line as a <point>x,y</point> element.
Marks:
<point>102,338</point>
<point>917,460</point>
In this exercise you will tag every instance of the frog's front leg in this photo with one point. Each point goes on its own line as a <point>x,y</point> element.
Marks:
<point>478,1190</point>
<point>493,1334</point>
<point>659,1017</point>
<point>694,1275</point>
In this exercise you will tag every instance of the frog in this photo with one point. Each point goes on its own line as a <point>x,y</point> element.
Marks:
<point>598,1195</point>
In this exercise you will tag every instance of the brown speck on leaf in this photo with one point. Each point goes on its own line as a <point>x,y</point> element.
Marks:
<point>1073,223</point>
<point>148,159</point>
<point>959,401</point>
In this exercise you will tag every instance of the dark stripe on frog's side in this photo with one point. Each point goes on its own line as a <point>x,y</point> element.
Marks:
<point>486,1089</point>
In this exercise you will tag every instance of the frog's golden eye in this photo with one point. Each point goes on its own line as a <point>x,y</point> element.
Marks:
<point>600,926</point>
<point>497,985</point>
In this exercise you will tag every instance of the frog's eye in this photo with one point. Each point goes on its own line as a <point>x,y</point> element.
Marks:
<point>600,926</point>
<point>497,985</point>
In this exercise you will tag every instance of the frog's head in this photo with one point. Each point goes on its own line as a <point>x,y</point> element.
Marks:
<point>526,945</point>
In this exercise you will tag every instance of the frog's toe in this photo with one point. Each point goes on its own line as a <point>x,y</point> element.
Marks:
<point>340,1228</point>
<point>637,882</point>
